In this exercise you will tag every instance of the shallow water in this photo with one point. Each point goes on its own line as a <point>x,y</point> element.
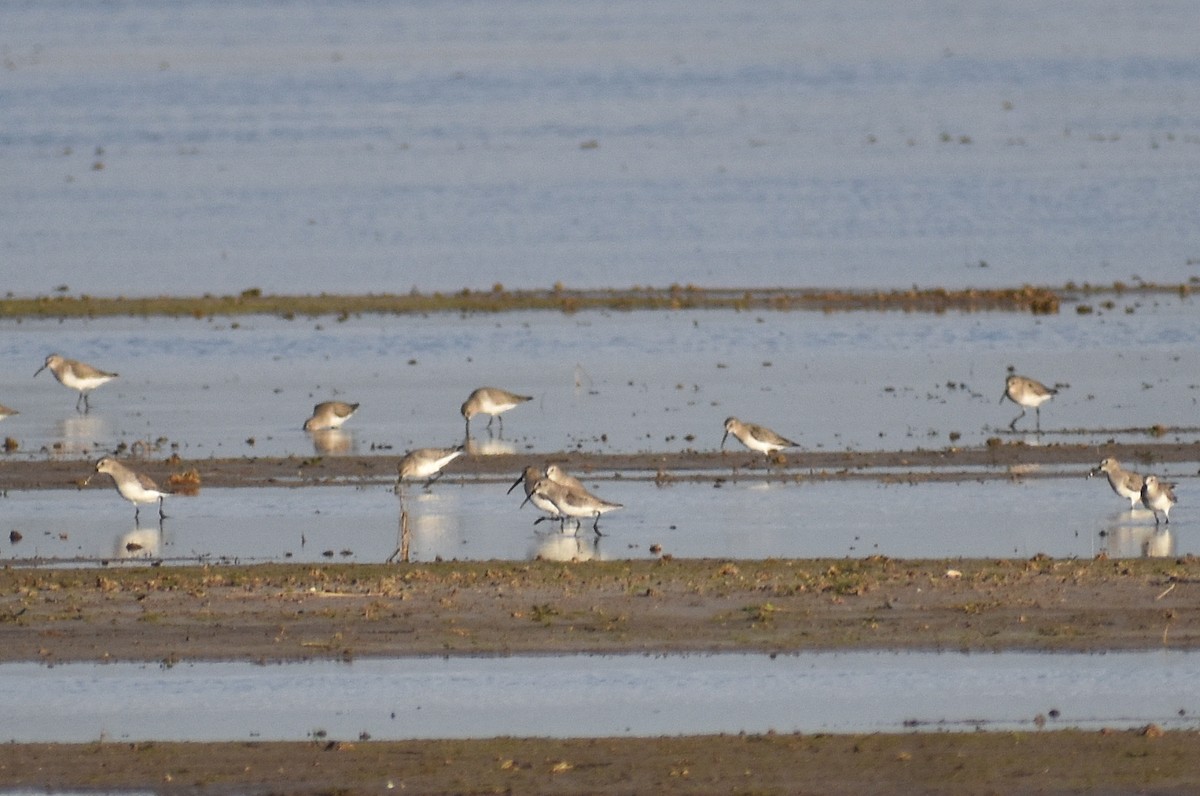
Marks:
<point>574,696</point>
<point>604,382</point>
<point>308,146</point>
<point>1060,517</point>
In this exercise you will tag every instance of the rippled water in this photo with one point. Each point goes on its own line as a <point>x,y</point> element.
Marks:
<point>308,146</point>
<point>570,696</point>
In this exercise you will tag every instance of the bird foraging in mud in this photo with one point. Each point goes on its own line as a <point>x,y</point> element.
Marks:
<point>1026,392</point>
<point>329,415</point>
<point>424,463</point>
<point>755,437</point>
<point>490,401</point>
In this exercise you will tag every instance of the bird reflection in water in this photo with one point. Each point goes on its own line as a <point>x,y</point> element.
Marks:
<point>140,543</point>
<point>1122,540</point>
<point>563,547</point>
<point>332,442</point>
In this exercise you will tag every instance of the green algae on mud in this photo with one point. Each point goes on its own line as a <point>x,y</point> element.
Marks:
<point>1024,299</point>
<point>1037,300</point>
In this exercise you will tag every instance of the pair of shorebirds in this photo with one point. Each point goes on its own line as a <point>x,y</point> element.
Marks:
<point>491,401</point>
<point>1152,492</point>
<point>562,496</point>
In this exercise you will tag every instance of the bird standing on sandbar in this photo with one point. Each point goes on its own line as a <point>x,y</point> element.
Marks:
<point>755,437</point>
<point>491,401</point>
<point>76,375</point>
<point>1125,483</point>
<point>134,487</point>
<point>1026,392</point>
<point>424,463</point>
<point>1158,496</point>
<point>329,414</point>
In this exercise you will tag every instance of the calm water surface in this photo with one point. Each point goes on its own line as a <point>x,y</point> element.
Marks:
<point>574,696</point>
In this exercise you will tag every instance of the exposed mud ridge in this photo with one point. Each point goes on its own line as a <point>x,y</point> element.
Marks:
<point>1036,300</point>
<point>997,460</point>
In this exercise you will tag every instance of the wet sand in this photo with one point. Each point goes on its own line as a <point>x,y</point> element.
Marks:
<point>1005,456</point>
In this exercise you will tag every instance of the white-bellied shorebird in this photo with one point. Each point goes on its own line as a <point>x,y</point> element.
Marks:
<point>529,478</point>
<point>424,463</point>
<point>1125,483</point>
<point>575,503</point>
<point>1026,392</point>
<point>755,437</point>
<point>76,375</point>
<point>329,414</point>
<point>133,486</point>
<point>490,401</point>
<point>1158,496</point>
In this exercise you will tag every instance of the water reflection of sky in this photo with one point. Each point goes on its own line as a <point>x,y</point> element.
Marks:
<point>1060,517</point>
<point>583,695</point>
<point>601,381</point>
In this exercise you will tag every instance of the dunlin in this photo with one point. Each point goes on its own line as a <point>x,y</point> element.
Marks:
<point>425,463</point>
<point>6,412</point>
<point>574,503</point>
<point>1158,496</point>
<point>491,401</point>
<point>134,487</point>
<point>1026,392</point>
<point>329,414</point>
<point>530,477</point>
<point>1125,483</point>
<point>76,375</point>
<point>560,476</point>
<point>755,437</point>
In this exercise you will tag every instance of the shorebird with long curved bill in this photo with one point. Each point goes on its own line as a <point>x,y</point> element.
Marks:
<point>574,503</point>
<point>135,487</point>
<point>755,437</point>
<point>76,375</point>
<point>1025,393</point>
<point>329,415</point>
<point>424,463</point>
<point>530,477</point>
<point>1158,496</point>
<point>1124,482</point>
<point>490,401</point>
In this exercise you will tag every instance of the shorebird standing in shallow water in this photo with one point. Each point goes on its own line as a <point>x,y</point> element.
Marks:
<point>1125,483</point>
<point>76,375</point>
<point>329,414</point>
<point>575,503</point>
<point>1158,496</point>
<point>491,401</point>
<point>424,463</point>
<point>755,437</point>
<point>134,487</point>
<point>1026,392</point>
<point>530,477</point>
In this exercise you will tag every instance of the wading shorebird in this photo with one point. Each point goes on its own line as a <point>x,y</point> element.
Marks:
<point>134,487</point>
<point>755,437</point>
<point>424,463</point>
<point>575,503</point>
<point>76,375</point>
<point>1026,392</point>
<point>329,414</point>
<point>530,477</point>
<point>491,401</point>
<point>1158,496</point>
<point>1125,483</point>
<point>6,412</point>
